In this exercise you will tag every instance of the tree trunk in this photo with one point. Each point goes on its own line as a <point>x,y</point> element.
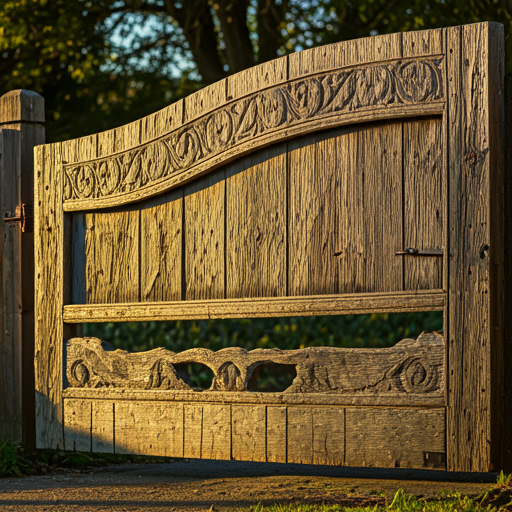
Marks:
<point>195,19</point>
<point>239,51</point>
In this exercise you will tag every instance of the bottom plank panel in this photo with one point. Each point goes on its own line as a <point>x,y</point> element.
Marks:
<point>102,426</point>
<point>329,435</point>
<point>249,432</point>
<point>396,438</point>
<point>77,425</point>
<point>276,434</point>
<point>152,428</point>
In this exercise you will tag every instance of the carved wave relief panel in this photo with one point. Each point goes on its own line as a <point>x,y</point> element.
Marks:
<point>409,367</point>
<point>401,82</point>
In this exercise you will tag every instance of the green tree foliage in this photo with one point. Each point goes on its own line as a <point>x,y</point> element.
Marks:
<point>102,63</point>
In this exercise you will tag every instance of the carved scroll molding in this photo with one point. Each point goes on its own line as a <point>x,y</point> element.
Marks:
<point>365,93</point>
<point>411,367</point>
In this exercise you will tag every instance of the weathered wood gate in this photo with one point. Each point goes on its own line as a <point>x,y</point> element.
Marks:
<point>365,176</point>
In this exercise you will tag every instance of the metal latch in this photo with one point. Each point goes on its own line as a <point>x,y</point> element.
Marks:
<point>25,215</point>
<point>412,251</point>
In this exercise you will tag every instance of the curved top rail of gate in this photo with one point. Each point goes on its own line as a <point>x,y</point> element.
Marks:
<point>377,78</point>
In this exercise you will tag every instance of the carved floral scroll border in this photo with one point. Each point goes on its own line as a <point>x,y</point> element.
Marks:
<point>412,81</point>
<point>410,367</point>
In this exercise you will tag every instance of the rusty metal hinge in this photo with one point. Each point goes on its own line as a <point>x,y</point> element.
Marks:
<point>24,215</point>
<point>412,251</point>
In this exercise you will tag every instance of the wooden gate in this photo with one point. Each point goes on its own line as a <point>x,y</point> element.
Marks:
<point>364,176</point>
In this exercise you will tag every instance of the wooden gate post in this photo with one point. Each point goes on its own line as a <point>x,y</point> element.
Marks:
<point>21,128</point>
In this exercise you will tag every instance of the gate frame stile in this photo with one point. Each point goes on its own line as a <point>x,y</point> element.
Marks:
<point>473,124</point>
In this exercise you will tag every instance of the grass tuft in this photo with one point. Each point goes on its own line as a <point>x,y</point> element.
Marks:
<point>13,461</point>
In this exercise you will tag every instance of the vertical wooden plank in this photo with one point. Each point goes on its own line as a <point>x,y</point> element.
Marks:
<point>204,101</point>
<point>257,78</point>
<point>395,438</point>
<point>345,53</point>
<point>424,211</point>
<point>475,293</point>
<point>276,434</point>
<point>102,426</point>
<point>382,189</point>
<point>204,225</point>
<point>112,257</point>
<point>77,425</point>
<point>49,336</point>
<point>11,403</point>
<point>192,430</point>
<point>149,428</point>
<point>300,435</point>
<point>162,122</point>
<point>248,432</point>
<point>256,225</point>
<point>315,180</point>
<point>329,436</point>
<point>22,121</point>
<point>422,42</point>
<point>216,437</point>
<point>78,260</point>
<point>500,428</point>
<point>161,250</point>
<point>345,220</point>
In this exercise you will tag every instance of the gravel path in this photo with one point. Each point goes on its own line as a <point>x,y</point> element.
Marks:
<point>197,485</point>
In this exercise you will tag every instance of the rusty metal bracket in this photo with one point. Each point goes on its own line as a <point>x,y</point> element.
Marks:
<point>24,215</point>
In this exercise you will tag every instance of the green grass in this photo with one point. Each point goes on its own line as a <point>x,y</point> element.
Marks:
<point>401,503</point>
<point>15,461</point>
<point>496,499</point>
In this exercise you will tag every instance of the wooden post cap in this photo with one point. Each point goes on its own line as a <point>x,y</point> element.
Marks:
<point>21,106</point>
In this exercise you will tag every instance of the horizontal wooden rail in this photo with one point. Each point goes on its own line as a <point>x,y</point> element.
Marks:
<point>356,303</point>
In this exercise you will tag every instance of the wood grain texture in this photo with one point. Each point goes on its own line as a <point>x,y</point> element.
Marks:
<point>11,401</point>
<point>216,437</point>
<point>162,122</point>
<point>424,198</point>
<point>77,425</point>
<point>276,434</point>
<point>205,238</point>
<point>474,327</point>
<point>102,426</point>
<point>21,106</point>
<point>360,303</point>
<point>257,78</point>
<point>161,250</point>
<point>49,287</point>
<point>21,124</point>
<point>192,430</point>
<point>299,435</point>
<point>152,428</point>
<point>404,438</point>
<point>422,42</point>
<point>344,54</point>
<point>256,225</point>
<point>112,257</point>
<point>345,211</point>
<point>329,436</point>
<point>500,431</point>
<point>249,432</point>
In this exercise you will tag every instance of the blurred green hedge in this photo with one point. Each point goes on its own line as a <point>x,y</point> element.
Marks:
<point>376,330</point>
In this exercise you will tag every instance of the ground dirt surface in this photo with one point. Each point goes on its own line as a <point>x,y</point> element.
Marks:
<point>198,485</point>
